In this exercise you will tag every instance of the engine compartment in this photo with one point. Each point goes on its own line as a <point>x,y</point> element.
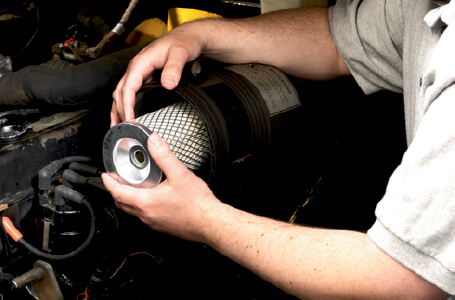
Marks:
<point>124,258</point>
<point>317,177</point>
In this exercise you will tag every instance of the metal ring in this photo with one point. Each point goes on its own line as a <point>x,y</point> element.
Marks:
<point>126,157</point>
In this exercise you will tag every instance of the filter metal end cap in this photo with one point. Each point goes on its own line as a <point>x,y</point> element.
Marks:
<point>126,157</point>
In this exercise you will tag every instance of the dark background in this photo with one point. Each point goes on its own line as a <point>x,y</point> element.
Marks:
<point>338,154</point>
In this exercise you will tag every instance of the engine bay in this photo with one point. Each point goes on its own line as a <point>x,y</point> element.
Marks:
<point>73,241</point>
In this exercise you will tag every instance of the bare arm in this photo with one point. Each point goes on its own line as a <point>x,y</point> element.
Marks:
<point>307,262</point>
<point>315,263</point>
<point>297,41</point>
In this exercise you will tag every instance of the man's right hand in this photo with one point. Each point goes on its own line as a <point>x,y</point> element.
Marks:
<point>168,53</point>
<point>298,41</point>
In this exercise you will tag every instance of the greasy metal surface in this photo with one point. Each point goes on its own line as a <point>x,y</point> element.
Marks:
<point>31,276</point>
<point>13,132</point>
<point>47,288</point>
<point>43,277</point>
<point>53,137</point>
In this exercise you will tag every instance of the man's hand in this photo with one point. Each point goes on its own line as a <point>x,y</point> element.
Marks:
<point>307,262</point>
<point>178,205</point>
<point>297,41</point>
<point>168,53</point>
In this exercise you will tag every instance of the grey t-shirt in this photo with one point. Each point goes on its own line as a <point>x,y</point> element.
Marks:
<point>408,46</point>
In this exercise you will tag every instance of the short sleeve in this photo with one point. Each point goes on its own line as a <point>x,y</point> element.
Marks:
<point>369,38</point>
<point>416,218</point>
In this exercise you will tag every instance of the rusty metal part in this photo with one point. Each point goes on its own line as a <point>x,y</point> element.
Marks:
<point>31,276</point>
<point>43,277</point>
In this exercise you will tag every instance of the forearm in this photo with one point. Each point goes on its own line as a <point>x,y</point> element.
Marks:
<point>307,262</point>
<point>314,263</point>
<point>297,41</point>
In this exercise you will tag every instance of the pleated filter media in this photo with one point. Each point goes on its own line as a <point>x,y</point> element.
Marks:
<point>183,130</point>
<point>125,150</point>
<point>222,116</point>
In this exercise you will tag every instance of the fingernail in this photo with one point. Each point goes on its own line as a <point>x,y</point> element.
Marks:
<point>155,140</point>
<point>170,81</point>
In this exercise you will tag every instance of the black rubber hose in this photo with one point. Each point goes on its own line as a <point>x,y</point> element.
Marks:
<point>73,253</point>
<point>73,177</point>
<point>45,174</point>
<point>95,80</point>
<point>78,167</point>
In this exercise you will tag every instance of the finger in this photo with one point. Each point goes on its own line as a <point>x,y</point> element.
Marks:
<point>138,71</point>
<point>123,194</point>
<point>129,99</point>
<point>117,105</point>
<point>117,92</point>
<point>126,208</point>
<point>130,84</point>
<point>114,114</point>
<point>165,158</point>
<point>172,71</point>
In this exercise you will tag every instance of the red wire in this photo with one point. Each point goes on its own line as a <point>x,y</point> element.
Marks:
<point>83,293</point>
<point>67,42</point>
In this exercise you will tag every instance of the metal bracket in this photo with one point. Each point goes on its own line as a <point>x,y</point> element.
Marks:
<point>42,275</point>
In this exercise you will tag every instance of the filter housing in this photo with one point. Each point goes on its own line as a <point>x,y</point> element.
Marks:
<point>217,116</point>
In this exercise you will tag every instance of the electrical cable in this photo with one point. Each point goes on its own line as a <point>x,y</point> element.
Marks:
<point>132,254</point>
<point>7,247</point>
<point>118,30</point>
<point>128,11</point>
<point>307,200</point>
<point>34,34</point>
<point>85,293</point>
<point>17,237</point>
<point>45,175</point>
<point>73,177</point>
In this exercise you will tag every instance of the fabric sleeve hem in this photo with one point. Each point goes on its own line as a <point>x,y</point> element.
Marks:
<point>423,265</point>
<point>332,23</point>
<point>372,74</point>
<point>366,87</point>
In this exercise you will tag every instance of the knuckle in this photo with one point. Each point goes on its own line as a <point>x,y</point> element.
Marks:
<point>115,94</point>
<point>124,89</point>
<point>163,153</point>
<point>115,195</point>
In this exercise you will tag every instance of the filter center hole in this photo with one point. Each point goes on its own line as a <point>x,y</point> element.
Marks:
<point>138,157</point>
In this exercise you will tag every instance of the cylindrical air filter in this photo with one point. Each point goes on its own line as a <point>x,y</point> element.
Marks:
<point>178,124</point>
<point>218,117</point>
<point>184,131</point>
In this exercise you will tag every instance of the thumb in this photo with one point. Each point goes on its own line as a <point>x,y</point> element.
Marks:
<point>165,158</point>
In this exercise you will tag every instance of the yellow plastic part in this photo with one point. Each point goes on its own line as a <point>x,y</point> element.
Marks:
<point>153,28</point>
<point>148,30</point>
<point>178,16</point>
